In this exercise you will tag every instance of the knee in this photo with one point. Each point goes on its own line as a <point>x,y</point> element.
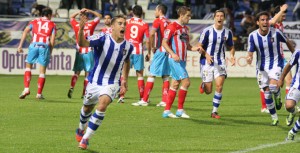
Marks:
<point>290,105</point>
<point>219,88</point>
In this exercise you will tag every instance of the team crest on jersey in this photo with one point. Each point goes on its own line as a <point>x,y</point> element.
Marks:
<point>272,39</point>
<point>167,32</point>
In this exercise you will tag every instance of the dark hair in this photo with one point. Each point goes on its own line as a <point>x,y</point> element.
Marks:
<point>217,11</point>
<point>258,15</point>
<point>277,10</point>
<point>183,10</point>
<point>137,10</point>
<point>163,8</point>
<point>46,11</point>
<point>107,14</point>
<point>117,17</point>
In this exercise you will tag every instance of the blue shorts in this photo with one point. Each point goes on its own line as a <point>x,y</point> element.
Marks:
<point>160,65</point>
<point>137,61</point>
<point>178,71</point>
<point>84,62</point>
<point>38,53</point>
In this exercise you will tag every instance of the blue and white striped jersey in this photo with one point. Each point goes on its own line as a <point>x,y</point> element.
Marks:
<point>214,41</point>
<point>109,58</point>
<point>295,60</point>
<point>267,48</point>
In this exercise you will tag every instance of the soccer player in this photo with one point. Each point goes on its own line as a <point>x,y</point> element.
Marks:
<point>112,55</point>
<point>176,43</point>
<point>293,96</point>
<point>214,40</point>
<point>279,16</point>
<point>137,29</point>
<point>107,24</point>
<point>266,42</point>
<point>84,55</point>
<point>40,49</point>
<point>159,65</point>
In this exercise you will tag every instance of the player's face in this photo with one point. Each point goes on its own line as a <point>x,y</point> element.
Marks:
<point>282,17</point>
<point>263,23</point>
<point>118,28</point>
<point>107,20</point>
<point>84,17</point>
<point>186,18</point>
<point>219,18</point>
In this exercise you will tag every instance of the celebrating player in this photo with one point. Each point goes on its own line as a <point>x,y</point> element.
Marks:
<point>84,57</point>
<point>266,42</point>
<point>40,49</point>
<point>213,40</point>
<point>159,65</point>
<point>112,54</point>
<point>176,42</point>
<point>137,29</point>
<point>293,96</point>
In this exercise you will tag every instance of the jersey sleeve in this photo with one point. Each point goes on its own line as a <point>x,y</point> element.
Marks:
<point>73,22</point>
<point>129,52</point>
<point>54,29</point>
<point>155,24</point>
<point>294,58</point>
<point>204,37</point>
<point>251,45</point>
<point>280,36</point>
<point>96,40</point>
<point>168,33</point>
<point>229,41</point>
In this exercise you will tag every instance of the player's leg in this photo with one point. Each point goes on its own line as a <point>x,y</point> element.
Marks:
<point>291,100</point>
<point>263,102</point>
<point>41,82</point>
<point>140,82</point>
<point>85,114</point>
<point>85,82</point>
<point>74,79</point>
<point>88,64</point>
<point>206,73</point>
<point>165,90</point>
<point>218,96</point>
<point>274,75</point>
<point>77,68</point>
<point>185,83</point>
<point>171,97</point>
<point>30,59</point>
<point>106,95</point>
<point>288,81</point>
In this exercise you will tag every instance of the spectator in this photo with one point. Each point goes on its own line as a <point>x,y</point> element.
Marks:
<point>90,4</point>
<point>265,5</point>
<point>248,23</point>
<point>122,4</point>
<point>37,9</point>
<point>297,10</point>
<point>176,5</point>
<point>69,3</point>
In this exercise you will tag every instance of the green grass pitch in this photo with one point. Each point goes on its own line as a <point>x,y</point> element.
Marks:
<point>46,126</point>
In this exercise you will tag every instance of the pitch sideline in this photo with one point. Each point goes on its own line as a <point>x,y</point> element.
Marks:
<point>265,146</point>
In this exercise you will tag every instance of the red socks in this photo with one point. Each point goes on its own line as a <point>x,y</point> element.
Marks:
<point>41,82</point>
<point>27,78</point>
<point>171,97</point>
<point>181,98</point>
<point>74,80</point>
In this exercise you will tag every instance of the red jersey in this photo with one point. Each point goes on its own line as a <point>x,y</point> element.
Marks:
<point>42,28</point>
<point>106,30</point>
<point>136,29</point>
<point>88,30</point>
<point>178,39</point>
<point>159,25</point>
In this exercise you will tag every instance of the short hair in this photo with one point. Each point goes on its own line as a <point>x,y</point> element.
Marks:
<point>163,8</point>
<point>137,10</point>
<point>117,17</point>
<point>183,10</point>
<point>258,15</point>
<point>277,10</point>
<point>108,15</point>
<point>46,11</point>
<point>221,10</point>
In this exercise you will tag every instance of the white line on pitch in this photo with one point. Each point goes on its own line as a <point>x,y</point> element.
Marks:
<point>266,146</point>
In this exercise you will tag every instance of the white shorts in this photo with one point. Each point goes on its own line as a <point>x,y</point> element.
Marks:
<point>208,72</point>
<point>94,91</point>
<point>263,77</point>
<point>294,94</point>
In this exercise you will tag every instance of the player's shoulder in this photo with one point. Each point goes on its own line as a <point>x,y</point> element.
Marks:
<point>208,28</point>
<point>253,33</point>
<point>99,36</point>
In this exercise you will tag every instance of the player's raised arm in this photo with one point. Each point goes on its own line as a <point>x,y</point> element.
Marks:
<point>275,19</point>
<point>92,12</point>
<point>81,39</point>
<point>26,30</point>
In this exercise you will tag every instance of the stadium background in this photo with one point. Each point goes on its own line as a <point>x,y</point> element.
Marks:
<point>63,56</point>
